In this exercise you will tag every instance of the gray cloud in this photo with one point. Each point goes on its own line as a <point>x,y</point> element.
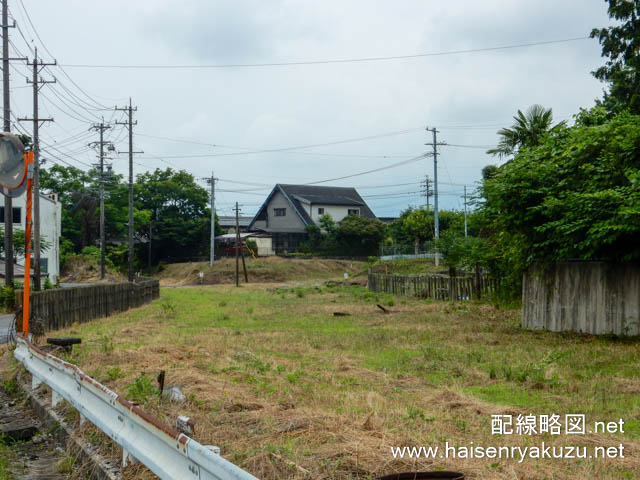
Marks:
<point>284,106</point>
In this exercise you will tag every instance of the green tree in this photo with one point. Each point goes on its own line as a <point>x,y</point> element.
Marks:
<point>528,130</point>
<point>359,236</point>
<point>620,44</point>
<point>176,208</point>
<point>575,196</point>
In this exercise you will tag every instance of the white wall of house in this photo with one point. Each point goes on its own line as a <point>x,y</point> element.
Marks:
<point>265,246</point>
<point>337,212</point>
<point>50,228</point>
<point>289,221</point>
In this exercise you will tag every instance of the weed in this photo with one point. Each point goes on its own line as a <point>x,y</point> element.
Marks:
<point>168,307</point>
<point>222,304</point>
<point>9,386</point>
<point>300,293</point>
<point>115,373</point>
<point>295,376</point>
<point>106,343</point>
<point>95,438</point>
<point>493,374</point>
<point>141,389</point>
<point>415,413</point>
<point>66,465</point>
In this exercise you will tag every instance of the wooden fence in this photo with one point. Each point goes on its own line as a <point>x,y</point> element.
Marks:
<point>587,297</point>
<point>61,307</point>
<point>433,286</point>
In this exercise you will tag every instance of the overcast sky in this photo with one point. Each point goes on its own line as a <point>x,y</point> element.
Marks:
<point>274,107</point>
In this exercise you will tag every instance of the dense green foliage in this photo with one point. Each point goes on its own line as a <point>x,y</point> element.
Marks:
<point>416,225</point>
<point>620,44</point>
<point>168,205</point>
<point>354,236</point>
<point>576,196</point>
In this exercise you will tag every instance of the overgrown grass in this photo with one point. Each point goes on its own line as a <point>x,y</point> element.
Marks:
<point>274,377</point>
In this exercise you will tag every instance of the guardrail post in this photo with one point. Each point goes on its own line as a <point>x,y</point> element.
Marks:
<point>56,398</point>
<point>35,382</point>
<point>127,458</point>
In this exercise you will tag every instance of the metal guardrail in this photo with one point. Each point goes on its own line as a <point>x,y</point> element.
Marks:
<point>165,451</point>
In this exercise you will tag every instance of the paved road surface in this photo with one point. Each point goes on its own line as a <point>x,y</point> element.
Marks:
<point>5,323</point>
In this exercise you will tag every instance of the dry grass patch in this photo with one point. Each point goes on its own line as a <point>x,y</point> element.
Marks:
<point>287,390</point>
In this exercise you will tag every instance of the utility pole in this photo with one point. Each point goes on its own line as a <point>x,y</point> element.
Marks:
<point>435,190</point>
<point>212,183</point>
<point>130,123</point>
<point>101,127</point>
<point>8,201</point>
<point>428,192</point>
<point>36,82</point>
<point>465,211</point>
<point>237,245</point>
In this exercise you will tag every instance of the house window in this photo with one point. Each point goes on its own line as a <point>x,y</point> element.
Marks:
<point>279,212</point>
<point>320,211</point>
<point>353,211</point>
<point>17,214</point>
<point>44,265</point>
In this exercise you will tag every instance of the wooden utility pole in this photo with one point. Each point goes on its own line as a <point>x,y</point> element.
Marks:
<point>8,201</point>
<point>465,211</point>
<point>212,183</point>
<point>36,82</point>
<point>237,245</point>
<point>130,123</point>
<point>435,190</point>
<point>101,127</point>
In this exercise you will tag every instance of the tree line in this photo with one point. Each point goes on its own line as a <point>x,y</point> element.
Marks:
<point>171,214</point>
<point>566,192</point>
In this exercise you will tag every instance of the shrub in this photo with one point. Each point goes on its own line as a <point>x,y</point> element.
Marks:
<point>141,389</point>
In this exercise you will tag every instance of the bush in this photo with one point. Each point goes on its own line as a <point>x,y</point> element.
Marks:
<point>7,297</point>
<point>141,389</point>
<point>252,245</point>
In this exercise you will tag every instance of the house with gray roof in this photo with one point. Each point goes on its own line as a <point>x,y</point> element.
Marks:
<point>289,209</point>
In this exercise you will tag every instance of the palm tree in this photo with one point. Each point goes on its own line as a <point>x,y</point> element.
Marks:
<point>527,130</point>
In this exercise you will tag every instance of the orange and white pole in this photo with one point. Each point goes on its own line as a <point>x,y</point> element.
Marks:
<point>28,157</point>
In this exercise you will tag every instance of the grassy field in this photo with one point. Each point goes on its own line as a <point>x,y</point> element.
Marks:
<point>290,391</point>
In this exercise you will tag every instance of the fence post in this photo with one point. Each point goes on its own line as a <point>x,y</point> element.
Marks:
<point>452,284</point>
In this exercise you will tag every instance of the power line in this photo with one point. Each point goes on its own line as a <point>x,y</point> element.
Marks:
<point>298,147</point>
<point>324,62</point>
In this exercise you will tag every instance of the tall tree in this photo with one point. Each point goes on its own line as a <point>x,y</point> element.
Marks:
<point>528,130</point>
<point>620,44</point>
<point>176,211</point>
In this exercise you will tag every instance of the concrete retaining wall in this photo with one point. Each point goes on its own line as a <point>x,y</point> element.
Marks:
<point>587,297</point>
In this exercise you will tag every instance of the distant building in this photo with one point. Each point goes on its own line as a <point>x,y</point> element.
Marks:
<point>50,229</point>
<point>229,222</point>
<point>289,209</point>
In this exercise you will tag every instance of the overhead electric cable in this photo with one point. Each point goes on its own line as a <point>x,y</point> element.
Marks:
<point>324,62</point>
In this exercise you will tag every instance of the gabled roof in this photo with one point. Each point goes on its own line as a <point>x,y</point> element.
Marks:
<point>317,195</point>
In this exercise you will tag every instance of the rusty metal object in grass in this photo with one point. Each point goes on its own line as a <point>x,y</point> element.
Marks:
<point>65,342</point>
<point>161,382</point>
<point>186,425</point>
<point>384,310</point>
<point>443,475</point>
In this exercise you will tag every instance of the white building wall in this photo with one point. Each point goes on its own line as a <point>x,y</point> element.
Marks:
<point>337,212</point>
<point>50,228</point>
